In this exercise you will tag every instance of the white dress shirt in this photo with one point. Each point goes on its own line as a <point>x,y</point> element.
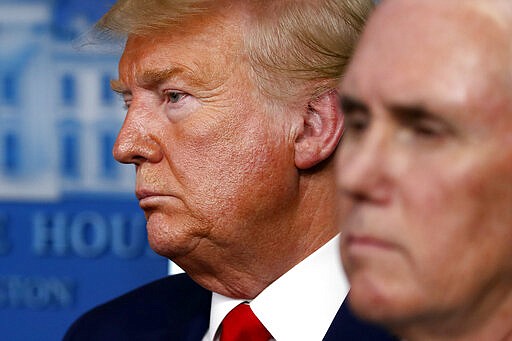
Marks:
<point>300,305</point>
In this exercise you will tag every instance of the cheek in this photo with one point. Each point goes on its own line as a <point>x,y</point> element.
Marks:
<point>233,166</point>
<point>445,194</point>
<point>439,214</point>
<point>460,222</point>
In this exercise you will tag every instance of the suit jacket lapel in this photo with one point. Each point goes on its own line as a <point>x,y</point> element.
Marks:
<point>346,326</point>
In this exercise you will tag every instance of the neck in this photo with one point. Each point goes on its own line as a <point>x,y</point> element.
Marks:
<point>486,322</point>
<point>245,268</point>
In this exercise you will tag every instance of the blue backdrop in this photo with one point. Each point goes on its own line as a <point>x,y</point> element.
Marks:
<point>71,233</point>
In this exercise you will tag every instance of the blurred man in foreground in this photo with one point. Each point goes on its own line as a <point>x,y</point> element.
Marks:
<point>426,162</point>
<point>232,122</point>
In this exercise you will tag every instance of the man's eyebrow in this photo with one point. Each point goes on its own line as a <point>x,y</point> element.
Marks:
<point>119,87</point>
<point>351,104</point>
<point>155,77</point>
<point>413,112</point>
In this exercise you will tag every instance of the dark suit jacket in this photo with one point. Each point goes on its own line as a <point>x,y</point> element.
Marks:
<point>175,308</point>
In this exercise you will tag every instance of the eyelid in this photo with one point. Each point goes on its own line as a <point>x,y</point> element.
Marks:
<point>125,97</point>
<point>431,126</point>
<point>427,124</point>
<point>168,92</point>
<point>177,110</point>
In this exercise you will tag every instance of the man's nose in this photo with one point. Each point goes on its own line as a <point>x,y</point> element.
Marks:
<point>363,171</point>
<point>136,142</point>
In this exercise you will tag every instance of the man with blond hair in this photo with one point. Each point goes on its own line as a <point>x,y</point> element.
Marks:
<point>426,162</point>
<point>232,121</point>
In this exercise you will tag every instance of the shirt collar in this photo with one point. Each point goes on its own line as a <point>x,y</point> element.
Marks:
<point>301,304</point>
<point>221,306</point>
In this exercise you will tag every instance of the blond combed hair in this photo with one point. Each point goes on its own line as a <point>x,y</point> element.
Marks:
<point>292,45</point>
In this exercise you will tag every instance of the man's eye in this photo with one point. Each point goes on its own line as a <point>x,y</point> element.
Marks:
<point>430,128</point>
<point>426,131</point>
<point>356,122</point>
<point>127,103</point>
<point>175,96</point>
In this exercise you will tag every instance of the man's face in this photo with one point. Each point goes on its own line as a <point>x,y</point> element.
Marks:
<point>215,172</point>
<point>426,162</point>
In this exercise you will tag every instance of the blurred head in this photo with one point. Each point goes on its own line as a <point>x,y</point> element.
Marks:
<point>231,136</point>
<point>426,162</point>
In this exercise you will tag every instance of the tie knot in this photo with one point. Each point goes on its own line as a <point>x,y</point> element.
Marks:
<point>242,325</point>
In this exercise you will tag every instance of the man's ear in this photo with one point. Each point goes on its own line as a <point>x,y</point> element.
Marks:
<point>321,131</point>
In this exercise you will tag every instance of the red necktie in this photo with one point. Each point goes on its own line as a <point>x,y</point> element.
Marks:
<point>242,325</point>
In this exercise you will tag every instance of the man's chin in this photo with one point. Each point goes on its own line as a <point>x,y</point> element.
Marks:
<point>168,249</point>
<point>176,245</point>
<point>369,300</point>
<point>381,305</point>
